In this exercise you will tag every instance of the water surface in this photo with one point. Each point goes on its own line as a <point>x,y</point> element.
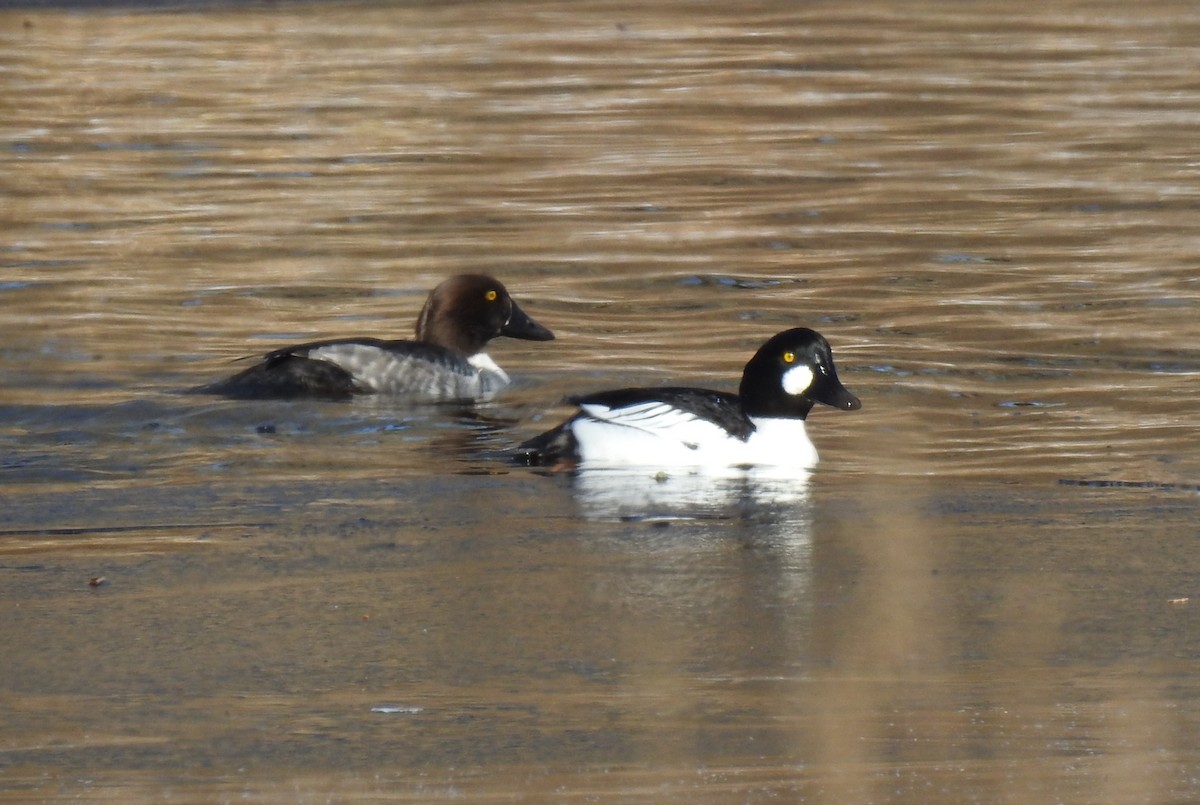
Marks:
<point>984,593</point>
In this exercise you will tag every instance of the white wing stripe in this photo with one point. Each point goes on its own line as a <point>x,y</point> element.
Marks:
<point>650,417</point>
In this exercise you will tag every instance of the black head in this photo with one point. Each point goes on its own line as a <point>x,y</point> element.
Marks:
<point>789,374</point>
<point>469,310</point>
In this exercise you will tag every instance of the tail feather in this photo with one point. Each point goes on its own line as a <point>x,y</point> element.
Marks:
<point>550,449</point>
<point>286,377</point>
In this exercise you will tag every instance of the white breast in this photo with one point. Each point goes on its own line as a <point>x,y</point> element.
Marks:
<point>491,377</point>
<point>780,442</point>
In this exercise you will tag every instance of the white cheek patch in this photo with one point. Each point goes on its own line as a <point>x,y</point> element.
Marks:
<point>797,379</point>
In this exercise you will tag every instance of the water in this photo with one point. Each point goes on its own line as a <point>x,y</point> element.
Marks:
<point>984,593</point>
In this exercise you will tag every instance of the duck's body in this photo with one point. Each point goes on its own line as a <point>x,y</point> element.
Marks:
<point>762,425</point>
<point>446,361</point>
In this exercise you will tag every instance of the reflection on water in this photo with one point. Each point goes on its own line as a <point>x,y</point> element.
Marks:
<point>606,493</point>
<point>985,591</point>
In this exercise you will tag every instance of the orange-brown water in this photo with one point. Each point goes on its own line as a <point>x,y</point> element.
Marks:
<point>988,210</point>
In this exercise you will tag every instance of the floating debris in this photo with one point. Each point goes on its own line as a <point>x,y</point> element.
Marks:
<point>1029,404</point>
<point>1103,484</point>
<point>397,708</point>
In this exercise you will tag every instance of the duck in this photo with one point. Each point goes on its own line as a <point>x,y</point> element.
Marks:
<point>446,362</point>
<point>763,425</point>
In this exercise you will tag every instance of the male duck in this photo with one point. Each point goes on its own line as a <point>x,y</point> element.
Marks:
<point>762,425</point>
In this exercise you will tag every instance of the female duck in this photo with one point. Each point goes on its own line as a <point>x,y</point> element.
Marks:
<point>446,361</point>
<point>762,425</point>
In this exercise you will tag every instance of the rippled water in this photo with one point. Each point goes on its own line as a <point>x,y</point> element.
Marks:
<point>985,592</point>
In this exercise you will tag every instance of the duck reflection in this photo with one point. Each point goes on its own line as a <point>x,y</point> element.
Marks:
<point>645,494</point>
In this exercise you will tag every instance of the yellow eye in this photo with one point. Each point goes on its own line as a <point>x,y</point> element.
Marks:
<point>789,357</point>
<point>491,296</point>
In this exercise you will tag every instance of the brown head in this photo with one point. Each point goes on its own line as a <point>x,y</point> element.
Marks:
<point>467,311</point>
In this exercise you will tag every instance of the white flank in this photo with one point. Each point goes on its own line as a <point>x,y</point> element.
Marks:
<point>654,434</point>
